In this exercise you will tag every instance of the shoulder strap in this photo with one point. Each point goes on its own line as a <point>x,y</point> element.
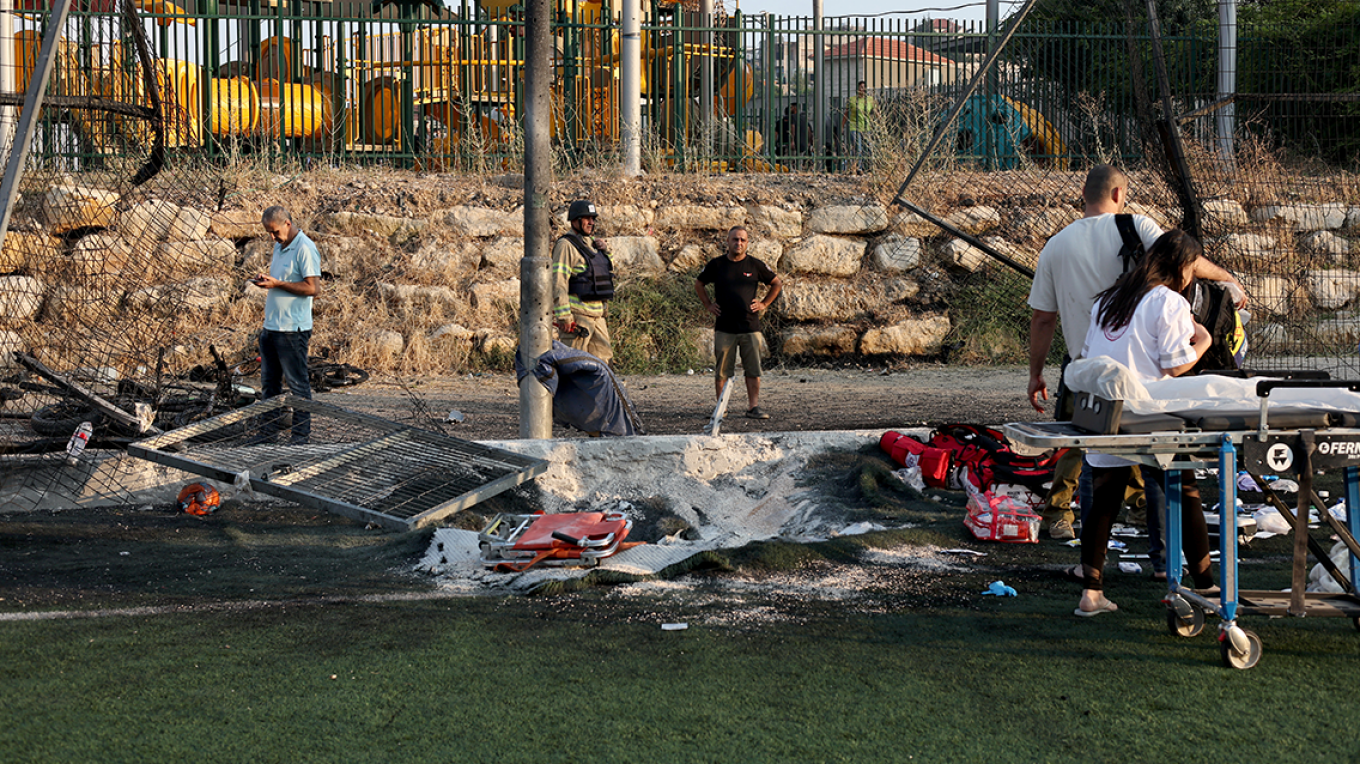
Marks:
<point>1132,251</point>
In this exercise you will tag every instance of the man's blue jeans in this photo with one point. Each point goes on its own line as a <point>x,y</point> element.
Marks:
<point>283,357</point>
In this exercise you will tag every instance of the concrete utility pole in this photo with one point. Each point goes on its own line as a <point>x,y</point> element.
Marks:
<point>1227,80</point>
<point>818,83</point>
<point>630,85</point>
<point>706,92</point>
<point>535,290</point>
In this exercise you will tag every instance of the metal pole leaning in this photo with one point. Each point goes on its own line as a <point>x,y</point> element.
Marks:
<point>28,119</point>
<point>535,300</point>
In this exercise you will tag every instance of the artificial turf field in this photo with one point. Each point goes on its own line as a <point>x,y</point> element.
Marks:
<point>283,635</point>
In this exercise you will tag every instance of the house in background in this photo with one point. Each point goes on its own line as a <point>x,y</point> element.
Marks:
<point>886,65</point>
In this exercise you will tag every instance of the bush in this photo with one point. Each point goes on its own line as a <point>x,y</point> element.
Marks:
<point>652,322</point>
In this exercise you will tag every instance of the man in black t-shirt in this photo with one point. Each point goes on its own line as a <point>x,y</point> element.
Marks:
<point>736,277</point>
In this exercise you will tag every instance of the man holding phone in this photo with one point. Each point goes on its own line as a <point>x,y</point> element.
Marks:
<point>294,279</point>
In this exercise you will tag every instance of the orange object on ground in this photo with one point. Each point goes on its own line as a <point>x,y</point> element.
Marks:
<point>514,543</point>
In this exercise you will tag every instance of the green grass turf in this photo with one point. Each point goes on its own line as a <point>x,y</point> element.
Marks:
<point>919,668</point>
<point>590,678</point>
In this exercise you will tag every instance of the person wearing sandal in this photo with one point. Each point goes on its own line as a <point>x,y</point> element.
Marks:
<point>736,277</point>
<point>1145,324</point>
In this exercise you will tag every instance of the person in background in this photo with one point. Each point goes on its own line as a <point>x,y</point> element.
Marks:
<point>859,108</point>
<point>583,282</point>
<point>1145,324</point>
<point>293,282</point>
<point>736,277</point>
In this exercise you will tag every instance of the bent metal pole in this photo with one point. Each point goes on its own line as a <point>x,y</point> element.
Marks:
<point>535,407</point>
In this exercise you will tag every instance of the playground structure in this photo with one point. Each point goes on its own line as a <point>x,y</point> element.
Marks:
<point>410,81</point>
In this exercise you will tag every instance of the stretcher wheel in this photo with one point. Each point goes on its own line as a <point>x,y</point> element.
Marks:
<point>1185,627</point>
<point>1244,660</point>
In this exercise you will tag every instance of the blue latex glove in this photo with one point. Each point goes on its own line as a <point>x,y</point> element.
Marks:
<point>999,589</point>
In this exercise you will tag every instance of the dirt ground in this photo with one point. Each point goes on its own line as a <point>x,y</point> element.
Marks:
<point>869,398</point>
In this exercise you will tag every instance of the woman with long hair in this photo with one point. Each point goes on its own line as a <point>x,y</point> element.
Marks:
<point>1145,324</point>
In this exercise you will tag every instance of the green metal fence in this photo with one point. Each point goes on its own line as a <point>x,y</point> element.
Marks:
<point>441,89</point>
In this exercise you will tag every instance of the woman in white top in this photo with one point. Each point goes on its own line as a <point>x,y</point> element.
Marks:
<point>1145,324</point>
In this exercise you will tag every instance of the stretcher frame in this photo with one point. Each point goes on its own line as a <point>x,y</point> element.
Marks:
<point>1283,452</point>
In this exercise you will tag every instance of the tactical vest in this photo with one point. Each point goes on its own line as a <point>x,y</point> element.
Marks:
<point>596,282</point>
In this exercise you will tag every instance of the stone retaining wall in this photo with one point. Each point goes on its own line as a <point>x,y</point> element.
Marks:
<point>853,272</point>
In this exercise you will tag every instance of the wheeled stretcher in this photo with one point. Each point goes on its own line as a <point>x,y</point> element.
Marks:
<point>1294,442</point>
<point>514,543</point>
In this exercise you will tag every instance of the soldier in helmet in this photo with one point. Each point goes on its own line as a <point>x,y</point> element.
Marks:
<point>583,281</point>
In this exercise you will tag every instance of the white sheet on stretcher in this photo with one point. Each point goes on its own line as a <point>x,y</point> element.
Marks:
<point>1112,380</point>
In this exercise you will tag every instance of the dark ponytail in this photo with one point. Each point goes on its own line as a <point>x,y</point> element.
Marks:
<point>1163,265</point>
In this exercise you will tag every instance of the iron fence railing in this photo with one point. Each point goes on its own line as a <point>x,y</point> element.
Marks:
<point>442,89</point>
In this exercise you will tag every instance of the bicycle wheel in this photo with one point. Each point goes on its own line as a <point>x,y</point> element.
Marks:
<point>344,375</point>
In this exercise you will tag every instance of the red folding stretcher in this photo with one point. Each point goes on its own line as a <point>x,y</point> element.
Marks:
<point>514,543</point>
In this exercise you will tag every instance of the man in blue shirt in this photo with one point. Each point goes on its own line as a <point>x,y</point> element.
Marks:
<point>294,278</point>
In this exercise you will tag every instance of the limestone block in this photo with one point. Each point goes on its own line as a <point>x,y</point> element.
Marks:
<point>776,221</point>
<point>447,261</point>
<point>1225,213</point>
<point>24,249</point>
<point>964,255</point>
<point>1353,217</point>
<point>10,343</point>
<point>1252,245</point>
<point>857,219</point>
<point>974,220</point>
<point>895,253</point>
<point>1157,214</point>
<point>825,255</point>
<point>911,224</point>
<point>99,253</point>
<point>503,253</point>
<point>489,294</point>
<point>1331,289</point>
<point>768,251</point>
<point>455,335</point>
<point>93,300</point>
<point>896,290</point>
<point>807,300</point>
<point>818,340</point>
<point>627,219</point>
<point>1024,256</point>
<point>693,257</point>
<point>1266,294</point>
<point>21,297</point>
<point>190,225</point>
<point>196,295</point>
<point>693,216</point>
<point>1272,335</point>
<point>212,255</point>
<point>483,223</point>
<point>635,255</point>
<point>1341,330</point>
<point>703,340</point>
<point>418,299</point>
<point>1043,222</point>
<point>68,207</point>
<point>236,224</point>
<point>348,255</point>
<point>257,255</point>
<point>386,226</point>
<point>1303,217</point>
<point>488,342</point>
<point>387,344</point>
<point>1326,244</point>
<point>148,223</point>
<point>921,336</point>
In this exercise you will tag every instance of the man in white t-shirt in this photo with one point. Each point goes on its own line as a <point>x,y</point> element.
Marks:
<point>1079,262</point>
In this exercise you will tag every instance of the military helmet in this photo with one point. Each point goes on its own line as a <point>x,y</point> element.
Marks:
<point>581,209</point>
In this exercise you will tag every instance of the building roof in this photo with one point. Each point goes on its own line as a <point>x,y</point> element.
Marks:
<point>884,47</point>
